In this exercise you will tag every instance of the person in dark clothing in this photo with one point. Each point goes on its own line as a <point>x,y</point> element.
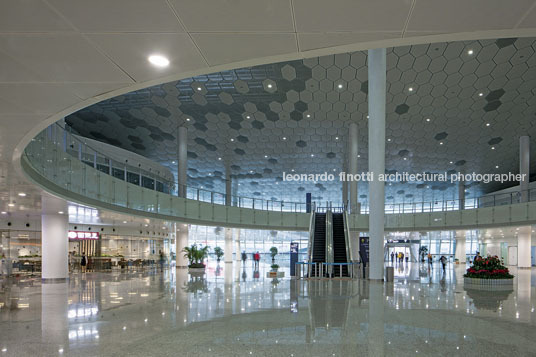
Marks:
<point>162,259</point>
<point>244,257</point>
<point>392,257</point>
<point>83,262</point>
<point>443,261</point>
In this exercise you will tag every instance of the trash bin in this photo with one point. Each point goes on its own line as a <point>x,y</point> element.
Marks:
<point>389,274</point>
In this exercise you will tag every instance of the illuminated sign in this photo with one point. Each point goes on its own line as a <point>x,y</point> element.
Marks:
<point>77,235</point>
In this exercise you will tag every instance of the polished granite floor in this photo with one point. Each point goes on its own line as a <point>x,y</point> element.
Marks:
<point>234,311</point>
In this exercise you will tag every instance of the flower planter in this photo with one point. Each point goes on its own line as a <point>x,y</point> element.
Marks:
<point>275,274</point>
<point>488,284</point>
<point>196,270</point>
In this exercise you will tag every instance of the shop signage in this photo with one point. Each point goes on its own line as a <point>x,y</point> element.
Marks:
<point>78,235</point>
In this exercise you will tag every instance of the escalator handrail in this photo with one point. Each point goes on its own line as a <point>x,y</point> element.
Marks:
<point>311,234</point>
<point>347,241</point>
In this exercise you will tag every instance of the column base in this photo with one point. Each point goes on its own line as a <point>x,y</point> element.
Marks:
<point>181,267</point>
<point>377,280</point>
<point>53,280</point>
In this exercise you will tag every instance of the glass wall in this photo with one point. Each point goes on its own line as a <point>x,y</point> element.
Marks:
<point>251,240</point>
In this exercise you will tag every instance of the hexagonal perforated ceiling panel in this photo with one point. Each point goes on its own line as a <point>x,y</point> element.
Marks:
<point>448,109</point>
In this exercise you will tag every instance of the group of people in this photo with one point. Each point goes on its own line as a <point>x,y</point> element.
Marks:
<point>256,258</point>
<point>399,257</point>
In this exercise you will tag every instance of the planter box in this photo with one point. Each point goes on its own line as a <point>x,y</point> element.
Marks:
<point>196,270</point>
<point>275,274</point>
<point>488,284</point>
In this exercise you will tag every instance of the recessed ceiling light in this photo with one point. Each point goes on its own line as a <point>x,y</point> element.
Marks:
<point>488,124</point>
<point>250,171</point>
<point>247,117</point>
<point>493,148</point>
<point>22,194</point>
<point>480,94</point>
<point>124,222</point>
<point>450,162</point>
<point>410,89</point>
<point>284,138</point>
<point>232,139</point>
<point>198,88</point>
<point>308,115</point>
<point>219,158</point>
<point>265,156</point>
<point>60,212</point>
<point>405,159</point>
<point>188,119</point>
<point>334,169</point>
<point>367,116</point>
<point>336,138</point>
<point>173,162</point>
<point>11,204</point>
<point>269,86</point>
<point>389,140</point>
<point>4,212</point>
<point>158,60</point>
<point>312,155</point>
<point>358,155</point>
<point>470,52</point>
<point>497,166</point>
<point>340,86</point>
<point>441,143</point>
<point>292,170</point>
<point>427,119</point>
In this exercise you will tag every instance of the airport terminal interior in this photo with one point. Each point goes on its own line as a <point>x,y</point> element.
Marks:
<point>267,178</point>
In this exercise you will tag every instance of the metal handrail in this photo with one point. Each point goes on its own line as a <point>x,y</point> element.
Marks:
<point>347,240</point>
<point>311,236</point>
<point>329,240</point>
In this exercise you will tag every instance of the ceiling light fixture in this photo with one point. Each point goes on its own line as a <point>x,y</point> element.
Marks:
<point>470,52</point>
<point>158,60</point>
<point>308,115</point>
<point>340,86</point>
<point>410,89</point>
<point>389,140</point>
<point>199,88</point>
<point>125,222</point>
<point>441,143</point>
<point>248,117</point>
<point>428,119</point>
<point>312,155</point>
<point>450,162</point>
<point>269,86</point>
<point>60,212</point>
<point>497,166</point>
<point>480,94</point>
<point>4,212</point>
<point>493,148</point>
<point>11,204</point>
<point>219,158</point>
<point>188,119</point>
<point>22,194</point>
<point>284,138</point>
<point>336,138</point>
<point>232,139</point>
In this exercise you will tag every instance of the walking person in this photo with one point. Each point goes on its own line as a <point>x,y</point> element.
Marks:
<point>244,257</point>
<point>257,257</point>
<point>392,257</point>
<point>443,261</point>
<point>161,260</point>
<point>83,262</point>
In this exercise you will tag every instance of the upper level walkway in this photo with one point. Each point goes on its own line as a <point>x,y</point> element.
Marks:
<point>58,162</point>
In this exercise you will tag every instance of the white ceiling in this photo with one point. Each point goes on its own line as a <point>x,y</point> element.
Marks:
<point>58,55</point>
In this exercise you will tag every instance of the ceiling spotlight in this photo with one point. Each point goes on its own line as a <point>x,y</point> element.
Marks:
<point>284,138</point>
<point>308,115</point>
<point>358,155</point>
<point>158,60</point>
<point>497,166</point>
<point>410,89</point>
<point>60,212</point>
<point>250,171</point>
<point>488,124</point>
<point>367,116</point>
<point>480,94</point>
<point>470,52</point>
<point>340,86</point>
<point>405,159</point>
<point>336,138</point>
<point>312,155</point>
<point>334,169</point>
<point>441,143</point>
<point>248,117</point>
<point>292,170</point>
<point>11,204</point>
<point>22,194</point>
<point>4,212</point>
<point>450,162</point>
<point>265,156</point>
<point>389,140</point>
<point>269,86</point>
<point>219,158</point>
<point>198,88</point>
<point>173,162</point>
<point>232,139</point>
<point>428,119</point>
<point>188,119</point>
<point>493,148</point>
<point>125,222</point>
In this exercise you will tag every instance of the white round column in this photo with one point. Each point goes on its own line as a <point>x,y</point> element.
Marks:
<point>238,253</point>
<point>460,247</point>
<point>524,247</point>
<point>228,250</point>
<point>182,242</point>
<point>54,239</point>
<point>376,141</point>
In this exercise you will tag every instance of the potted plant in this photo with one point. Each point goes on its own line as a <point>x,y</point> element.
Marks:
<point>219,253</point>
<point>488,274</point>
<point>196,256</point>
<point>273,253</point>
<point>423,250</point>
<point>274,267</point>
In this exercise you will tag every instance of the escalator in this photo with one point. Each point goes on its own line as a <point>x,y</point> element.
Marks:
<point>339,245</point>
<point>319,243</point>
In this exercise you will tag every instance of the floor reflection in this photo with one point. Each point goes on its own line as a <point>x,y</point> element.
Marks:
<point>234,310</point>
